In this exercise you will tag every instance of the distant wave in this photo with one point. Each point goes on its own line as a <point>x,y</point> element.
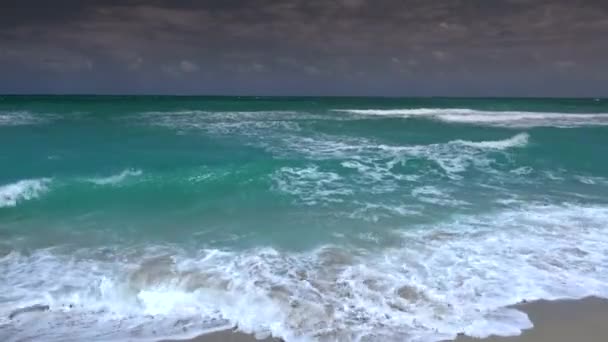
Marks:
<point>496,118</point>
<point>12,194</point>
<point>311,185</point>
<point>19,118</point>
<point>370,163</point>
<point>519,140</point>
<point>222,114</point>
<point>117,178</point>
<point>248,123</point>
<point>434,195</point>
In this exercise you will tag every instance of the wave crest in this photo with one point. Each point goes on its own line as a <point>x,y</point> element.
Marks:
<point>12,194</point>
<point>21,118</point>
<point>519,140</point>
<point>117,178</point>
<point>492,118</point>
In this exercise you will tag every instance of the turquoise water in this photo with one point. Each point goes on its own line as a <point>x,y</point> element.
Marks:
<point>138,218</point>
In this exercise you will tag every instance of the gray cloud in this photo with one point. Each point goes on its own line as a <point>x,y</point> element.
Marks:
<point>380,47</point>
<point>181,68</point>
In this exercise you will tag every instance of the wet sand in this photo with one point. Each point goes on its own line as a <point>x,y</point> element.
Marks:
<point>584,320</point>
<point>227,336</point>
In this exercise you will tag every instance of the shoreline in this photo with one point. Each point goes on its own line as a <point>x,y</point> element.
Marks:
<point>228,335</point>
<point>570,320</point>
<point>576,320</point>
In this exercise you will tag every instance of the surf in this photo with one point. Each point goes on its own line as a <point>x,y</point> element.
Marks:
<point>150,219</point>
<point>24,190</point>
<point>518,119</point>
<point>331,290</point>
<point>116,178</point>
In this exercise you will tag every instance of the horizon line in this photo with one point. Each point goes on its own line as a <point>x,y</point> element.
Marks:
<point>304,96</point>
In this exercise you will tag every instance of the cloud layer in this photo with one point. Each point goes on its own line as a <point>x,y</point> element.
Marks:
<point>375,47</point>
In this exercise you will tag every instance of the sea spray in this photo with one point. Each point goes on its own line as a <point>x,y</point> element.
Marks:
<point>24,190</point>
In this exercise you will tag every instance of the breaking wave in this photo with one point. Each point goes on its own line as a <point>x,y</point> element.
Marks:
<point>24,190</point>
<point>519,140</point>
<point>493,118</point>
<point>117,178</point>
<point>533,252</point>
<point>21,118</point>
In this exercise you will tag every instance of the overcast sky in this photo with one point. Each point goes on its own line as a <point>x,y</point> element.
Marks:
<point>306,47</point>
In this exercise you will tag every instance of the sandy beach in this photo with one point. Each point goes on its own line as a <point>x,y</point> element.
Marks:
<point>226,336</point>
<point>584,320</point>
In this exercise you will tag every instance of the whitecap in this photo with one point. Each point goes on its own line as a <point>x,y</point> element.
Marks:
<point>493,118</point>
<point>19,118</point>
<point>522,171</point>
<point>116,178</point>
<point>375,162</point>
<point>373,212</point>
<point>433,195</point>
<point>248,123</point>
<point>24,190</point>
<point>590,180</point>
<point>310,184</point>
<point>519,140</point>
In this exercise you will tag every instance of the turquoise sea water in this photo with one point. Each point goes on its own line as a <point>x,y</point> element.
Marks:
<point>139,218</point>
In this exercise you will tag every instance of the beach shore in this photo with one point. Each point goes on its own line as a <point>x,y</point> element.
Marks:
<point>584,320</point>
<point>226,336</point>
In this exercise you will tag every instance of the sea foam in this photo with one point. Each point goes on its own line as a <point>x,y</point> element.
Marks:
<point>116,178</point>
<point>519,140</point>
<point>450,277</point>
<point>24,190</point>
<point>493,118</point>
<point>21,118</point>
<point>375,167</point>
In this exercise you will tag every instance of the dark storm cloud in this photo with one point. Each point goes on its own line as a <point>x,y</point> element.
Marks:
<point>380,47</point>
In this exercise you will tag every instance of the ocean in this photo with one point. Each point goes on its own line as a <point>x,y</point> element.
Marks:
<point>309,219</point>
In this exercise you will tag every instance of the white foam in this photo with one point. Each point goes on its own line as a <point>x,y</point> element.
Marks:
<point>378,169</point>
<point>248,123</point>
<point>21,118</point>
<point>117,178</point>
<point>224,115</point>
<point>373,212</point>
<point>554,176</point>
<point>375,161</point>
<point>519,140</point>
<point>524,170</point>
<point>428,190</point>
<point>433,195</point>
<point>24,190</point>
<point>450,277</point>
<point>591,180</point>
<point>311,185</point>
<point>495,118</point>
